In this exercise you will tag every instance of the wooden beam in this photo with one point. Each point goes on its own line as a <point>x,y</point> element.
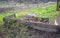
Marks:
<point>57,5</point>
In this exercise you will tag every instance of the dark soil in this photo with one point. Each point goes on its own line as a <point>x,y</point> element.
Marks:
<point>41,34</point>
<point>5,9</point>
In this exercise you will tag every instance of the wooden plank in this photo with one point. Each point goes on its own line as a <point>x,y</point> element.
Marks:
<point>43,27</point>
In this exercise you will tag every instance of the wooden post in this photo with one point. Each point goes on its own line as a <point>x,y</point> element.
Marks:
<point>58,5</point>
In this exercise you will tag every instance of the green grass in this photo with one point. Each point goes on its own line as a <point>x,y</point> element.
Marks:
<point>2,15</point>
<point>47,12</point>
<point>40,11</point>
<point>44,11</point>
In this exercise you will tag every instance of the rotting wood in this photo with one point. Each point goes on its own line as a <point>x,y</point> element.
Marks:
<point>36,25</point>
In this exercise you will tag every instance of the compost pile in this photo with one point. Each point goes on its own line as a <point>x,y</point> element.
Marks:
<point>34,18</point>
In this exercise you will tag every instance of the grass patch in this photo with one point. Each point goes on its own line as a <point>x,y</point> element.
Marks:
<point>44,11</point>
<point>2,15</point>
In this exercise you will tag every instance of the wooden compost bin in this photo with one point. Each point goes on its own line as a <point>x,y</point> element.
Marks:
<point>35,25</point>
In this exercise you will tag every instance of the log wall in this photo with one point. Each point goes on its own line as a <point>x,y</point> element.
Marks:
<point>34,25</point>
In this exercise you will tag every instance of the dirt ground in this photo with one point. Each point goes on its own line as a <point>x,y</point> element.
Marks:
<point>41,34</point>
